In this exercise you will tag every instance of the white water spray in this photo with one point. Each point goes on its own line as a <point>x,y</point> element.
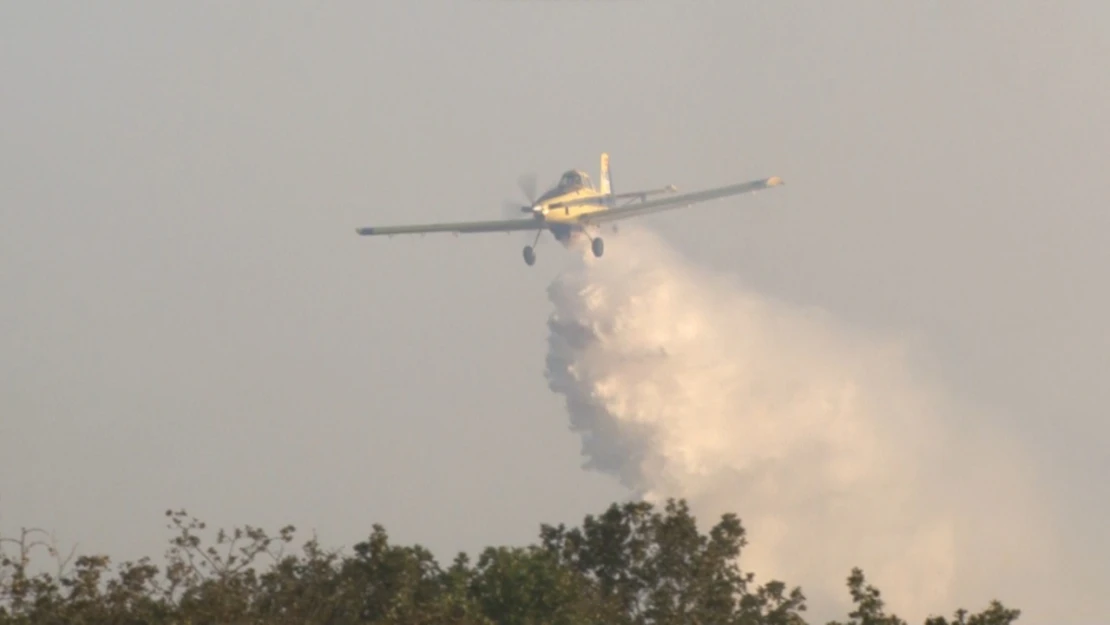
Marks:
<point>683,384</point>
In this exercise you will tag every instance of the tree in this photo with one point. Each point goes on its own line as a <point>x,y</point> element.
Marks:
<point>655,567</point>
<point>633,564</point>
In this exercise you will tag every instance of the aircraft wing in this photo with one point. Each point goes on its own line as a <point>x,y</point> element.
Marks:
<point>462,227</point>
<point>680,201</point>
<point>613,197</point>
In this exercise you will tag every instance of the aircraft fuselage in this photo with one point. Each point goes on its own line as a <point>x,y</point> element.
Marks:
<point>559,209</point>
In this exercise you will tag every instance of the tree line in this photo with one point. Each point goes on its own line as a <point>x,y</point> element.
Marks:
<point>633,564</point>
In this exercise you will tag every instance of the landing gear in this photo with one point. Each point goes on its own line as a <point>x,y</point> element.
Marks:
<point>530,250</point>
<point>598,246</point>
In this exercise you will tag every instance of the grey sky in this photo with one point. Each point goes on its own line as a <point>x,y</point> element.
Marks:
<point>190,321</point>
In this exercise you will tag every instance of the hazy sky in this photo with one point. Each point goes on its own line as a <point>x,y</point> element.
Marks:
<point>190,321</point>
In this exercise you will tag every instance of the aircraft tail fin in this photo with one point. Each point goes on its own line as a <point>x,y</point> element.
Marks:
<point>605,182</point>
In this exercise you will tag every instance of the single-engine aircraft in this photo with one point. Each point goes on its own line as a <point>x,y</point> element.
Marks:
<point>574,206</point>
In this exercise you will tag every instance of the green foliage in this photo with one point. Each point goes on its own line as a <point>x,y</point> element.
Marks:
<point>631,565</point>
<point>869,609</point>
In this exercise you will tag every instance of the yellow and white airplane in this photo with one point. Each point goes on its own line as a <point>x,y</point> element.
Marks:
<point>574,206</point>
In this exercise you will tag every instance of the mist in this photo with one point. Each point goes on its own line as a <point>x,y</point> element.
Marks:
<point>831,445</point>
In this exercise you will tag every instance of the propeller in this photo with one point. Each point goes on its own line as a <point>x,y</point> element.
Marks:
<point>527,185</point>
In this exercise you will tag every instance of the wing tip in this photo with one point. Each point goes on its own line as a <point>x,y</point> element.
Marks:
<point>364,231</point>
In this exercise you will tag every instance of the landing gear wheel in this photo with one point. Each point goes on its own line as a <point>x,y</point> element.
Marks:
<point>598,246</point>
<point>529,255</point>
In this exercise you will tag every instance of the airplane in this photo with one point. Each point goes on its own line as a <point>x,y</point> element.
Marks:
<point>574,206</point>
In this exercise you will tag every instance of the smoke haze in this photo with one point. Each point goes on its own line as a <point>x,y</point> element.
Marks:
<point>832,451</point>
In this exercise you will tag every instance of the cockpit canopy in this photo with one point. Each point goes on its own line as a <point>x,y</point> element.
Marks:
<point>574,179</point>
